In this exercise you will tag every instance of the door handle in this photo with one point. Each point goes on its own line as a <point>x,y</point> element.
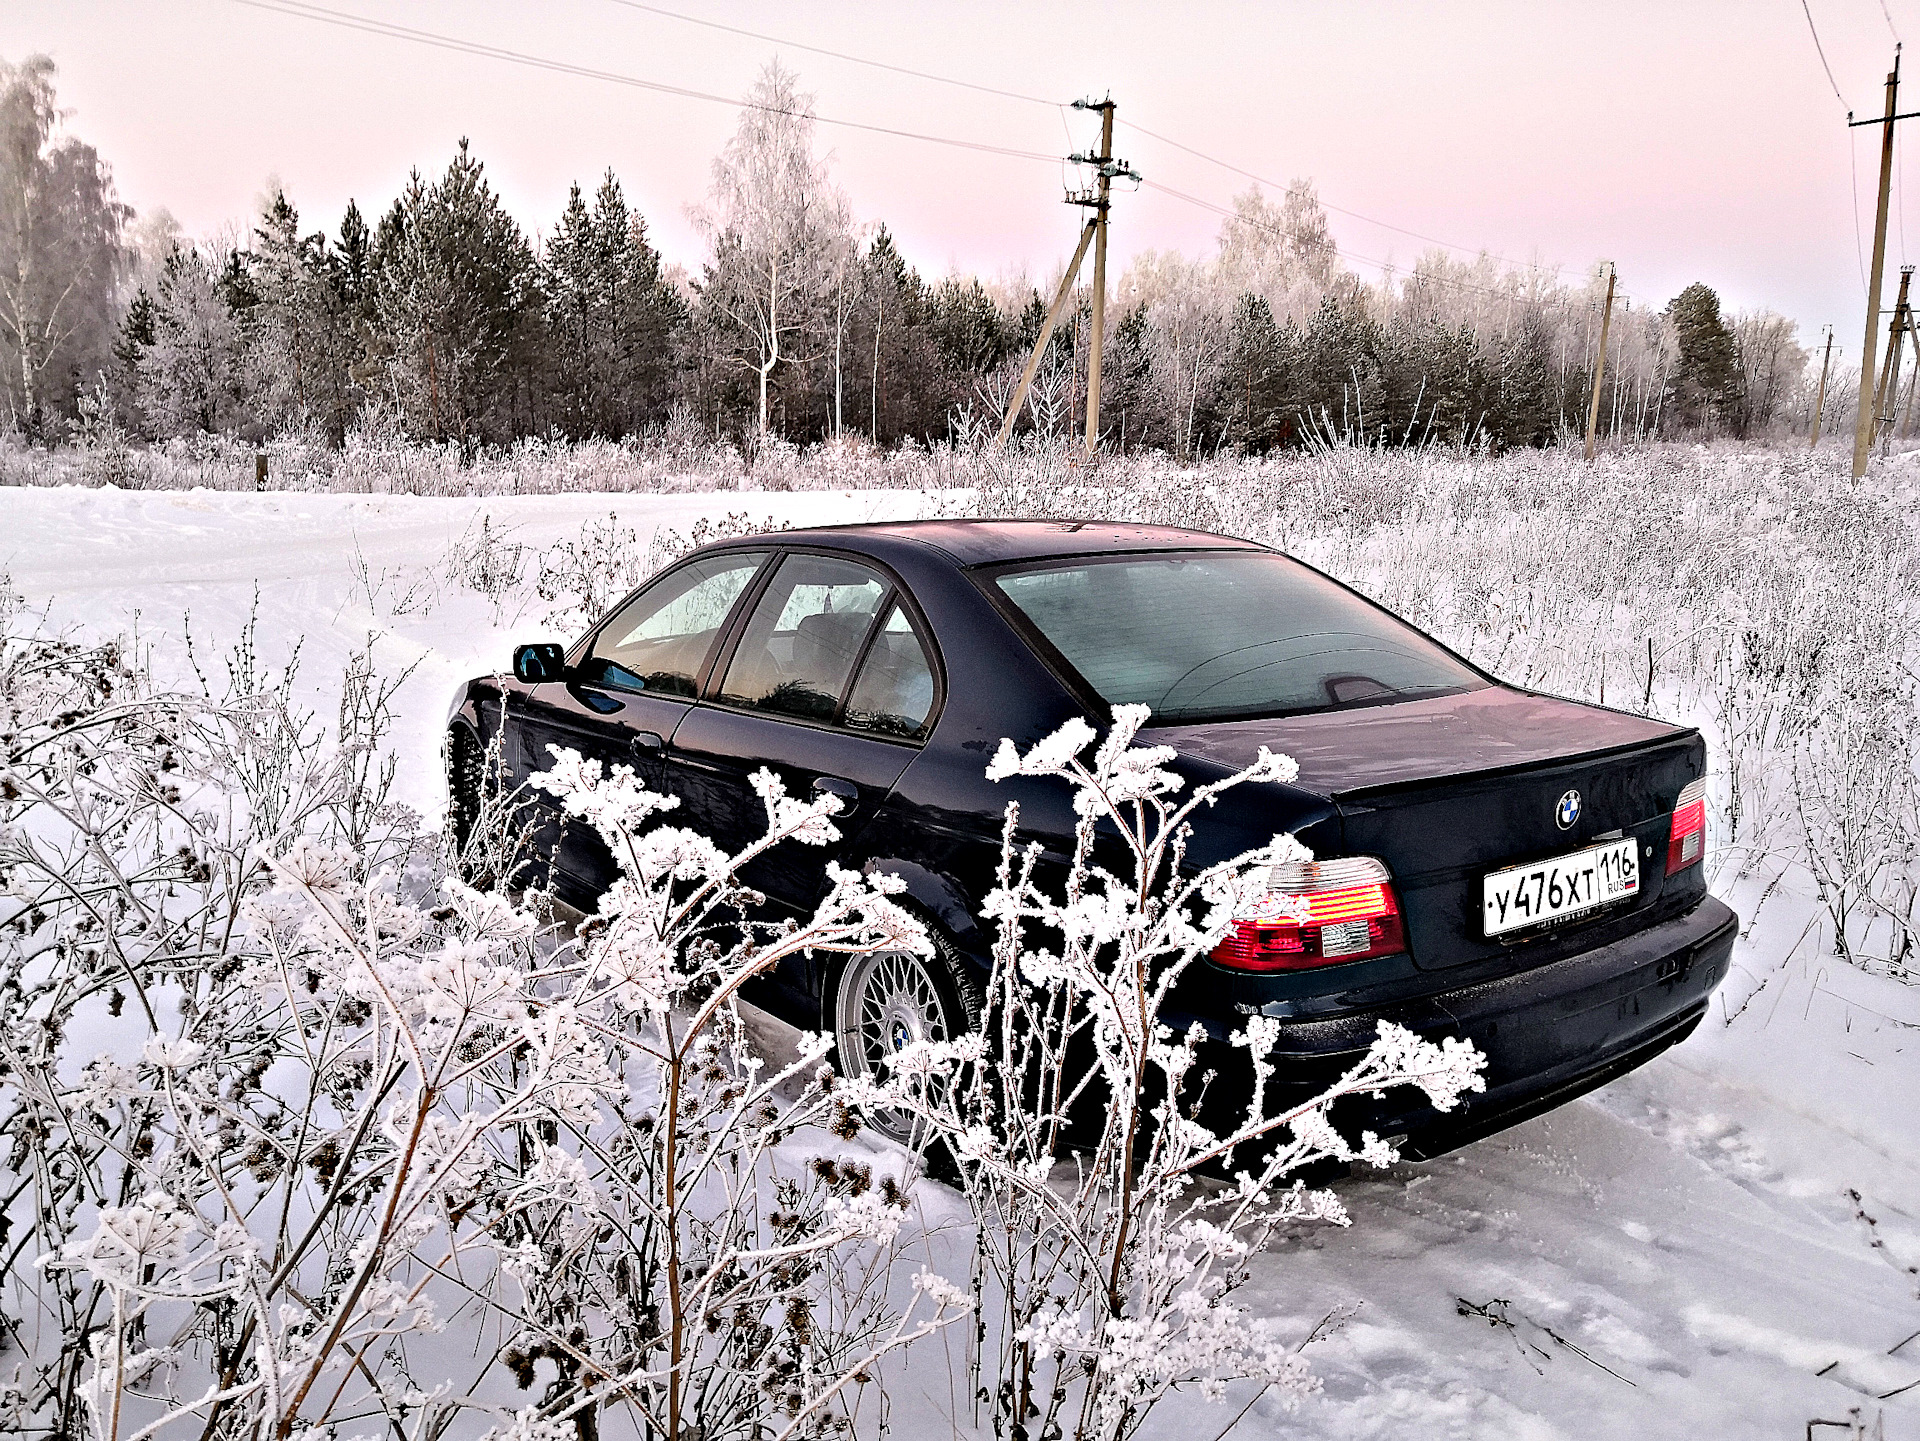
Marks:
<point>847,791</point>
<point>648,744</point>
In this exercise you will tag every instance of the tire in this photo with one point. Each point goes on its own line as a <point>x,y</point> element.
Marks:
<point>875,1004</point>
<point>466,781</point>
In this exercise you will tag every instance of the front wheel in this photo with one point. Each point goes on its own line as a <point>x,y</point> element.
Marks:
<point>885,1002</point>
<point>466,781</point>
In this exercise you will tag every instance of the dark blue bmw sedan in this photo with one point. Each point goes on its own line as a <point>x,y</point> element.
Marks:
<point>1512,868</point>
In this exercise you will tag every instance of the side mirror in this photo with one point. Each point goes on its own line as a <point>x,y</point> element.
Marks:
<point>536,663</point>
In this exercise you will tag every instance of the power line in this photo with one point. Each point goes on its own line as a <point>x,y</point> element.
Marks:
<point>1821,51</point>
<point>1338,210</point>
<point>299,9</point>
<point>838,54</point>
<point>1054,104</point>
<point>304,10</point>
<point>1859,245</point>
<point>1888,16</point>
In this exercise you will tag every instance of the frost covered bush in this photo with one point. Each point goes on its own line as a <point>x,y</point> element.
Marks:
<point>1106,1263</point>
<point>310,1134</point>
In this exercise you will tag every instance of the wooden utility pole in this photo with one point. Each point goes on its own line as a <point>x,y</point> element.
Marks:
<point>1887,393</point>
<point>1046,333</point>
<point>1106,170</point>
<point>1906,419</point>
<point>1103,190</point>
<point>1864,423</point>
<point>1820,401</point>
<point>1600,363</point>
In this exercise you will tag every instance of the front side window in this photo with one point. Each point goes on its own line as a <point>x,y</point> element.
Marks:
<point>893,694</point>
<point>659,641</point>
<point>804,637</point>
<point>1205,637</point>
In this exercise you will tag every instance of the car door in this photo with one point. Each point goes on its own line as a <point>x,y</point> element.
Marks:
<point>633,680</point>
<point>829,683</point>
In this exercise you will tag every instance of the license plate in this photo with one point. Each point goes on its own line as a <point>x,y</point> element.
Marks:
<point>1548,891</point>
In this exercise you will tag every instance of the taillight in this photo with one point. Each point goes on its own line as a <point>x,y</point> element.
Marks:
<point>1687,840</point>
<point>1317,913</point>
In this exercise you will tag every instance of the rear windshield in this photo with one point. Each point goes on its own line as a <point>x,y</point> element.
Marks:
<point>1200,637</point>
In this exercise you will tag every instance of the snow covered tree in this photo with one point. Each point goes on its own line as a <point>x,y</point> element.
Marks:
<point>778,226</point>
<point>61,256</point>
<point>298,332</point>
<point>611,317</point>
<point>1773,364</point>
<point>1281,252</point>
<point>454,287</point>
<point>191,378</point>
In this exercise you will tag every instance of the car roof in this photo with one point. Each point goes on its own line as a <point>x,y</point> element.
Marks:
<point>987,542</point>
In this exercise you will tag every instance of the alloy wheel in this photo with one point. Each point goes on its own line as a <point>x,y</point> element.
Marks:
<point>886,1002</point>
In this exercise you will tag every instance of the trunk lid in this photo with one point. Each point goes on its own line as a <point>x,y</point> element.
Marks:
<point>1447,789</point>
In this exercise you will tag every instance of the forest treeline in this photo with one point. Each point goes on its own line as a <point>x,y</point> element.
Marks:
<point>441,318</point>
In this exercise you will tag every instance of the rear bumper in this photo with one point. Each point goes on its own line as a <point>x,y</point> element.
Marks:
<point>1549,1034</point>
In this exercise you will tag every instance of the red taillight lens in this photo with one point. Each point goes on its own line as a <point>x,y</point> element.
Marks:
<point>1687,840</point>
<point>1350,914</point>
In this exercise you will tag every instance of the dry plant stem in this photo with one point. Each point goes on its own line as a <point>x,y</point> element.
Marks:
<point>1113,1288</point>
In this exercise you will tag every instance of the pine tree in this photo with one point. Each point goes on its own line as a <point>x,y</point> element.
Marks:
<point>611,316</point>
<point>1528,404</point>
<point>352,260</point>
<point>1705,390</point>
<point>298,328</point>
<point>1250,388</point>
<point>136,337</point>
<point>966,325</point>
<point>455,288</point>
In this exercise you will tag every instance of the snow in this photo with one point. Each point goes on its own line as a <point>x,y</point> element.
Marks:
<point>1689,1227</point>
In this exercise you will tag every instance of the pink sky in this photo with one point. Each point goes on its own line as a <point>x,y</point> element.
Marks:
<point>1686,140</point>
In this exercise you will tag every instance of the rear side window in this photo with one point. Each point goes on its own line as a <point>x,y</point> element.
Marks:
<point>1224,637</point>
<point>659,640</point>
<point>893,694</point>
<point>804,637</point>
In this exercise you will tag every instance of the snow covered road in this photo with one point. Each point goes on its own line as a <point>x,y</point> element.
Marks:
<point>1678,1255</point>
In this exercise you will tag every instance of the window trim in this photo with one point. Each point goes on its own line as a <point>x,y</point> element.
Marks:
<point>581,649</point>
<point>897,594</point>
<point>986,578</point>
<point>893,600</point>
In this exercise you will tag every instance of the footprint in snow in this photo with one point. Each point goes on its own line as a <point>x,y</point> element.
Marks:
<point>1718,1143</point>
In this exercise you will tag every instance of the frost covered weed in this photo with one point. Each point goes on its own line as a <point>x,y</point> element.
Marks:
<point>1106,1264</point>
<point>339,1100</point>
<point>582,578</point>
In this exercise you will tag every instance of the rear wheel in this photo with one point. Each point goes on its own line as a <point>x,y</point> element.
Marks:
<point>885,1002</point>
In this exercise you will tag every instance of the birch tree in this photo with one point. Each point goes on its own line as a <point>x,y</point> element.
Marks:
<point>780,225</point>
<point>61,256</point>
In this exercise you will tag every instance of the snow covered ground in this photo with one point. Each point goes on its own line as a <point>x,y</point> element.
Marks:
<point>1691,1229</point>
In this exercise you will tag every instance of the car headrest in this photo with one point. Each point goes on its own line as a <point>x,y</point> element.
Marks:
<point>824,644</point>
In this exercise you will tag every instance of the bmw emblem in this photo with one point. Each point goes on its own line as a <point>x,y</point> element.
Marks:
<point>1568,810</point>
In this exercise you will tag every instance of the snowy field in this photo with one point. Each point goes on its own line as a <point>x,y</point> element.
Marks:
<point>1679,1254</point>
